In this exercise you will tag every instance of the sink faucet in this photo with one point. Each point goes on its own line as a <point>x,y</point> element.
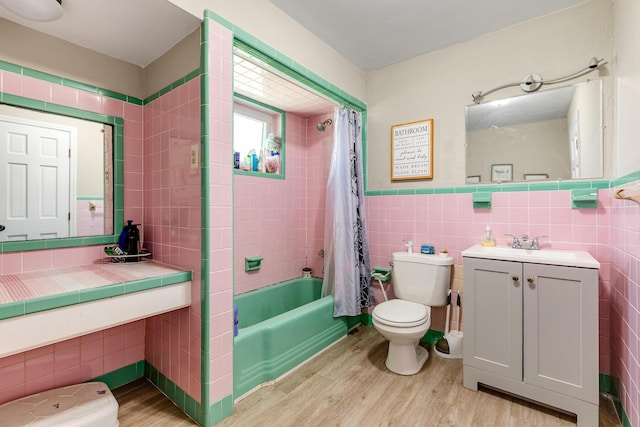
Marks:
<point>515,243</point>
<point>533,244</point>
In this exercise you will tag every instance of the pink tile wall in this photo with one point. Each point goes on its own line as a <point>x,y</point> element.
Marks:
<point>171,228</point>
<point>34,371</point>
<point>449,221</point>
<point>283,220</point>
<point>71,361</point>
<point>89,222</point>
<point>624,294</point>
<point>220,255</point>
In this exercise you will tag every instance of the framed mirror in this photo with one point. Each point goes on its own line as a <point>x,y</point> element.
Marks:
<point>550,135</point>
<point>60,176</point>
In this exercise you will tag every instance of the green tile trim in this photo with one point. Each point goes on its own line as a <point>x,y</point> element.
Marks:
<point>220,410</point>
<point>607,384</point>
<point>12,68</point>
<point>258,103</point>
<point>12,309</point>
<point>102,292</point>
<point>118,173</point>
<point>89,198</point>
<point>35,305</point>
<point>502,188</point>
<point>122,376</point>
<point>257,48</point>
<point>259,174</point>
<point>176,84</point>
<point>633,176</point>
<point>30,72</point>
<point>177,395</point>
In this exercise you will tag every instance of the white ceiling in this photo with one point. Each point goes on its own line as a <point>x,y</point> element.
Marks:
<point>373,34</point>
<point>134,31</point>
<point>370,33</point>
<point>260,82</point>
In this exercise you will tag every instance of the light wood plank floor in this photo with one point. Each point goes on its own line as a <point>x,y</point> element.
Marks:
<point>348,385</point>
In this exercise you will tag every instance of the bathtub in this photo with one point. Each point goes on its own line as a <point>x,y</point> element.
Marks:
<point>280,327</point>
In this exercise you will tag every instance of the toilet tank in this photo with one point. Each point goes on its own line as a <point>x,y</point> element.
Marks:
<point>421,278</point>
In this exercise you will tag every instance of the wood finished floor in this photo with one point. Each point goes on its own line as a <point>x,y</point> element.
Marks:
<point>349,385</point>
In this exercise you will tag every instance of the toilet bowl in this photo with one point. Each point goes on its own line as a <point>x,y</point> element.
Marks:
<point>403,323</point>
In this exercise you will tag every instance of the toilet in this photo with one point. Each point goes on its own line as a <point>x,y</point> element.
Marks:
<point>419,282</point>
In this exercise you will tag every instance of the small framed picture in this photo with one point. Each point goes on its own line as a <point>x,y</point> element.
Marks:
<point>473,179</point>
<point>535,176</point>
<point>502,172</point>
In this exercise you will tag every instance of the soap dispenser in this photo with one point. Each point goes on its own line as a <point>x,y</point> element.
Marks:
<point>487,238</point>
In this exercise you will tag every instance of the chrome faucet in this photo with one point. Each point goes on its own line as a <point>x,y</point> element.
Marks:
<point>533,244</point>
<point>515,243</point>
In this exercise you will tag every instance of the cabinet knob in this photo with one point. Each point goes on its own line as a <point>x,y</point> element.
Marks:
<point>515,278</point>
<point>530,279</point>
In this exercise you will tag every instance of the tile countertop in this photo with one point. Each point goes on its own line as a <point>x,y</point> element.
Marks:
<point>36,291</point>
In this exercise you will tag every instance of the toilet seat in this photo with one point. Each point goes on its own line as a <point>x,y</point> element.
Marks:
<point>401,314</point>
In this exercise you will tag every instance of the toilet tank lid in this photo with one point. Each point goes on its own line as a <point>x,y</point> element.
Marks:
<point>422,258</point>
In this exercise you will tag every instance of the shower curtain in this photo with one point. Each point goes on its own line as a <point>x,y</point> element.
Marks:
<point>347,266</point>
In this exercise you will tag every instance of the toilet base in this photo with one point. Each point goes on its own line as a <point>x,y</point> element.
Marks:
<point>406,359</point>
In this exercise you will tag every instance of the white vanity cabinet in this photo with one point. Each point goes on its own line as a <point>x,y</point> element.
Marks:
<point>531,329</point>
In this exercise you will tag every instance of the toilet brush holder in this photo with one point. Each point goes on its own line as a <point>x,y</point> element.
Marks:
<point>454,338</point>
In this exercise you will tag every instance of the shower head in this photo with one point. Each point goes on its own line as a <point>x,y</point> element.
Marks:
<point>322,126</point>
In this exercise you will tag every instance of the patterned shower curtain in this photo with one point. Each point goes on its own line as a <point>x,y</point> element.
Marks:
<point>347,267</point>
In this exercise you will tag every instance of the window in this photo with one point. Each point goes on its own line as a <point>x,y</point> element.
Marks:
<point>256,141</point>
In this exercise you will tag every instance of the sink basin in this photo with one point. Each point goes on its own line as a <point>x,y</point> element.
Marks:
<point>542,256</point>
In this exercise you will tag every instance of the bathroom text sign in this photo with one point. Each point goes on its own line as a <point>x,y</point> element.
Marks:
<point>412,150</point>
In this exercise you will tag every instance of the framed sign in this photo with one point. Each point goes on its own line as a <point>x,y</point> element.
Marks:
<point>412,150</point>
<point>501,173</point>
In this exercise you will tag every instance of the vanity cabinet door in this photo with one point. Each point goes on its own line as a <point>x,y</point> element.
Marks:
<point>561,329</point>
<point>493,316</point>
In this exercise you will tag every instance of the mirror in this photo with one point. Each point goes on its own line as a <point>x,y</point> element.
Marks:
<point>551,135</point>
<point>58,176</point>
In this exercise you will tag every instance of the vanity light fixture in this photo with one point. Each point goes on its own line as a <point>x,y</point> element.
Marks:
<point>35,10</point>
<point>533,82</point>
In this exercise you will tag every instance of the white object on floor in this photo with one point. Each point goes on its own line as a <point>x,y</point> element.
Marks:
<point>454,338</point>
<point>80,405</point>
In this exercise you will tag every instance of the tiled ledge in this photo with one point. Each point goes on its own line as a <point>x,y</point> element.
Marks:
<point>49,306</point>
<point>26,293</point>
